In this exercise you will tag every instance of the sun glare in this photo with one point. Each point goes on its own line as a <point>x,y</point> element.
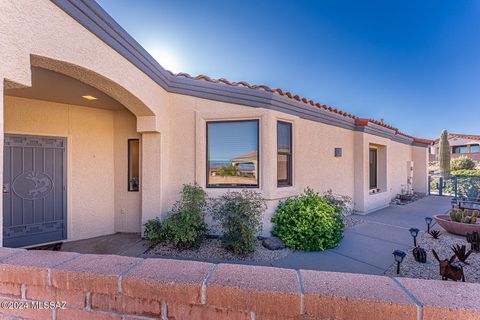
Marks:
<point>166,58</point>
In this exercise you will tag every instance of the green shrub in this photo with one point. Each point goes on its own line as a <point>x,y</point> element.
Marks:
<point>462,163</point>
<point>153,231</point>
<point>240,217</point>
<point>308,222</point>
<point>466,173</point>
<point>185,228</point>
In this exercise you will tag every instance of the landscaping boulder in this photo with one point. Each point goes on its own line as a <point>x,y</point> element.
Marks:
<point>273,243</point>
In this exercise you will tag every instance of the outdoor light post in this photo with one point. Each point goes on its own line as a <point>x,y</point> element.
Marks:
<point>428,220</point>
<point>399,255</point>
<point>414,232</point>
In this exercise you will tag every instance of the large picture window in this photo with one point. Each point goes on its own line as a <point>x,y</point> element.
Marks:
<point>373,168</point>
<point>232,154</point>
<point>284,154</point>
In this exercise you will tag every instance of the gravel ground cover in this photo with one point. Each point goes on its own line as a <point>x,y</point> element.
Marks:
<point>430,270</point>
<point>211,249</point>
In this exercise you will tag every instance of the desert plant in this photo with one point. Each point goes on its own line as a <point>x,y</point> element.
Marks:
<point>240,217</point>
<point>153,231</point>
<point>340,201</point>
<point>464,215</point>
<point>444,154</point>
<point>435,234</point>
<point>185,227</point>
<point>419,254</point>
<point>462,163</point>
<point>308,222</point>
<point>461,252</point>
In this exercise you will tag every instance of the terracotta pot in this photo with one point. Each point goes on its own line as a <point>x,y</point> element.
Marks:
<point>456,227</point>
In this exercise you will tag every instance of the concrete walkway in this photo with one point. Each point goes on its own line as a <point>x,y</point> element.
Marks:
<point>367,248</point>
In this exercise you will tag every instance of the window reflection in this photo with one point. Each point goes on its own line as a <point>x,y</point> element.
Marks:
<point>232,155</point>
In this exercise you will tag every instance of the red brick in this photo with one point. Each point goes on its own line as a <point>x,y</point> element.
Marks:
<point>97,273</point>
<point>168,280</point>
<point>261,289</point>
<point>31,267</point>
<point>445,299</point>
<point>354,296</point>
<point>11,289</point>
<point>73,299</point>
<point>123,304</point>
<point>189,311</point>
<point>37,314</point>
<point>75,314</point>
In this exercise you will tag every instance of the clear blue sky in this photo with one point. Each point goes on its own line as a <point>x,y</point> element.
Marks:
<point>414,63</point>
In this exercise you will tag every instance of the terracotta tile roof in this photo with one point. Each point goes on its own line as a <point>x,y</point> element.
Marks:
<point>280,92</point>
<point>461,136</point>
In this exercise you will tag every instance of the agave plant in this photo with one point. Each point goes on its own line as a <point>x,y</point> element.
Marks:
<point>461,252</point>
<point>435,234</point>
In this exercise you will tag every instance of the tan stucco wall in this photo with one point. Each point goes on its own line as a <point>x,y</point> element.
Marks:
<point>96,161</point>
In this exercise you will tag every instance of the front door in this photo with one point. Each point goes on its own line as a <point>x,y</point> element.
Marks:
<point>34,190</point>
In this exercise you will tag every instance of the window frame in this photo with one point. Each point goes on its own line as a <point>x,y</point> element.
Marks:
<point>207,153</point>
<point>129,160</point>
<point>289,181</point>
<point>370,187</point>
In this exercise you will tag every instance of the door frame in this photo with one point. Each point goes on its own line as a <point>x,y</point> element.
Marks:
<point>65,179</point>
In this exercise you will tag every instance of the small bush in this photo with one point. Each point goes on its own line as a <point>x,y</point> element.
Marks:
<point>240,217</point>
<point>153,231</point>
<point>466,173</point>
<point>185,228</point>
<point>344,203</point>
<point>462,163</point>
<point>308,222</point>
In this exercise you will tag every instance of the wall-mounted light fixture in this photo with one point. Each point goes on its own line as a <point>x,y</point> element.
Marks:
<point>338,152</point>
<point>89,97</point>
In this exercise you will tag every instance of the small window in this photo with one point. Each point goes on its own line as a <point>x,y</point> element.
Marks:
<point>373,168</point>
<point>133,165</point>
<point>232,154</point>
<point>284,154</point>
<point>475,148</point>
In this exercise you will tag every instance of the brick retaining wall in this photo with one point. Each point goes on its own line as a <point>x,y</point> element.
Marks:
<point>114,287</point>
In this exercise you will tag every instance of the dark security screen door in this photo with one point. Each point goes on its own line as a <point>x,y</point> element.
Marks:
<point>34,190</point>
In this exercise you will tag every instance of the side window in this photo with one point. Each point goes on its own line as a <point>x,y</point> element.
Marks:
<point>133,165</point>
<point>284,154</point>
<point>373,168</point>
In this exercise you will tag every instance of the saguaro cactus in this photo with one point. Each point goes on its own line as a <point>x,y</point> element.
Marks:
<point>444,154</point>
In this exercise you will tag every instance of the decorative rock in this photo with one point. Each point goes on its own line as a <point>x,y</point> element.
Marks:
<point>273,243</point>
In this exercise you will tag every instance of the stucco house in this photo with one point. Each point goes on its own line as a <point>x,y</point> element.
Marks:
<point>98,138</point>
<point>461,145</point>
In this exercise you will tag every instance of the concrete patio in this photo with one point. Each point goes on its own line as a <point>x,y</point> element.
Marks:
<point>366,248</point>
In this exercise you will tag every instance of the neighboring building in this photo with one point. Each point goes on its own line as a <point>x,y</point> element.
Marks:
<point>99,138</point>
<point>461,145</point>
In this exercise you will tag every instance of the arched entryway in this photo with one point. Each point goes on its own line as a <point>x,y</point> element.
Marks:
<point>72,156</point>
